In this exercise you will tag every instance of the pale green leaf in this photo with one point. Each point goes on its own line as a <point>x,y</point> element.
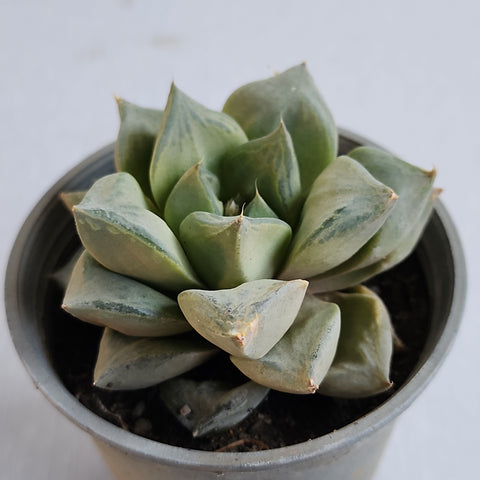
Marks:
<point>362,363</point>
<point>339,280</point>
<point>414,188</point>
<point>99,296</point>
<point>129,363</point>
<point>197,190</point>
<point>136,138</point>
<point>300,360</point>
<point>292,96</point>
<point>246,321</point>
<point>268,164</point>
<point>228,251</point>
<point>344,209</point>
<point>117,230</point>
<point>210,406</point>
<point>190,133</point>
<point>258,208</point>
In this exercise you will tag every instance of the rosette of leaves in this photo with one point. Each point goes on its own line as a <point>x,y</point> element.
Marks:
<point>242,231</point>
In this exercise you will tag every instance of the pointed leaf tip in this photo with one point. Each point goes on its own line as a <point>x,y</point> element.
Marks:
<point>130,363</point>
<point>101,297</point>
<point>245,321</point>
<point>116,228</point>
<point>228,251</point>
<point>138,130</point>
<point>345,208</point>
<point>300,360</point>
<point>293,96</point>
<point>189,133</point>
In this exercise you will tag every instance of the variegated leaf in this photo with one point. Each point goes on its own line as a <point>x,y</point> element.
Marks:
<point>246,321</point>
<point>300,360</point>
<point>190,133</point>
<point>121,234</point>
<point>292,96</point>
<point>228,251</point>
<point>362,363</point>
<point>129,363</point>
<point>339,280</point>
<point>344,209</point>
<point>413,186</point>
<point>99,296</point>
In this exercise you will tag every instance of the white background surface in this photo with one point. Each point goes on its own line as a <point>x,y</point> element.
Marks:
<point>406,74</point>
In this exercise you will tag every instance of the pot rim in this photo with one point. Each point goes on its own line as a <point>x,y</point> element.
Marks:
<point>45,378</point>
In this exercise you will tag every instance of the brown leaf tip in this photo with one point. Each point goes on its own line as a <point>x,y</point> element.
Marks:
<point>312,386</point>
<point>243,338</point>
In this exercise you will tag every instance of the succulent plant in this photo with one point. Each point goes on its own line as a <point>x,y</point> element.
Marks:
<point>242,231</point>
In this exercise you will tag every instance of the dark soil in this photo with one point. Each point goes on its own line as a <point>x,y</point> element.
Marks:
<point>282,419</point>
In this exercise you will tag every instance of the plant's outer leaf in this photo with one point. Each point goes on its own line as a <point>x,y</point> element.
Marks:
<point>413,186</point>
<point>332,281</point>
<point>129,363</point>
<point>228,251</point>
<point>190,133</point>
<point>258,208</point>
<point>300,360</point>
<point>362,362</point>
<point>118,231</point>
<point>63,274</point>
<point>197,190</point>
<point>245,321</point>
<point>210,406</point>
<point>269,164</point>
<point>344,209</point>
<point>292,96</point>
<point>70,199</point>
<point>136,138</point>
<point>99,296</point>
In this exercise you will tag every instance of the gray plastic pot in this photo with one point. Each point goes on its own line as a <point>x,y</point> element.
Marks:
<point>351,452</point>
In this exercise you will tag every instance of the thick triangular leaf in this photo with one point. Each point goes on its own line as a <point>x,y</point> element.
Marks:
<point>99,296</point>
<point>197,190</point>
<point>292,96</point>
<point>228,251</point>
<point>269,164</point>
<point>300,360</point>
<point>210,406</point>
<point>362,363</point>
<point>339,280</point>
<point>190,133</point>
<point>118,231</point>
<point>414,188</point>
<point>136,138</point>
<point>246,321</point>
<point>344,209</point>
<point>129,363</point>
<point>258,208</point>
